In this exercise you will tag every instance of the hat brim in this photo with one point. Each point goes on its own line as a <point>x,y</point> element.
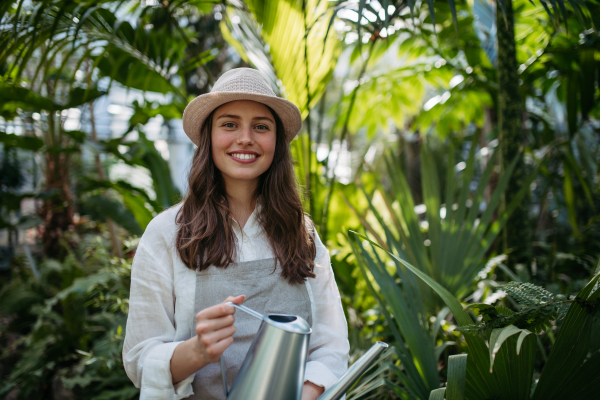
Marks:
<point>200,108</point>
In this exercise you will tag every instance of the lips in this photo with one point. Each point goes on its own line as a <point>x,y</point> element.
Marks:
<point>243,156</point>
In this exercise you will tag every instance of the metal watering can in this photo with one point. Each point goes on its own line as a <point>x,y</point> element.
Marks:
<point>274,365</point>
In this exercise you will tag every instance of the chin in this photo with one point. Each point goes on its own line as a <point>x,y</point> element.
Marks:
<point>244,177</point>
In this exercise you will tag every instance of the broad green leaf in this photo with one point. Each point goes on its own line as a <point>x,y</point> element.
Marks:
<point>515,371</point>
<point>296,55</point>
<point>136,205</point>
<point>457,371</point>
<point>499,336</point>
<point>80,96</point>
<point>32,143</point>
<point>562,373</point>
<point>414,344</point>
<point>26,98</point>
<point>102,207</point>
<point>480,384</point>
<point>570,199</point>
<point>437,394</point>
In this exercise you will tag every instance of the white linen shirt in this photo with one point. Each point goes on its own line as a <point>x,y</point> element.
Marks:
<point>161,306</point>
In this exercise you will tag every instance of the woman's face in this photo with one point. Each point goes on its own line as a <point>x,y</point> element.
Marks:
<point>243,140</point>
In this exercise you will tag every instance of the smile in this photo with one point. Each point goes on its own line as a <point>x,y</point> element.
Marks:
<point>241,156</point>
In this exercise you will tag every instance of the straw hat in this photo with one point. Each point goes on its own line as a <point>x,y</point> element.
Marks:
<point>240,84</point>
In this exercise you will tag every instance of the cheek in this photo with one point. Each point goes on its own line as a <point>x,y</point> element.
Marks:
<point>268,145</point>
<point>218,146</point>
<point>218,141</point>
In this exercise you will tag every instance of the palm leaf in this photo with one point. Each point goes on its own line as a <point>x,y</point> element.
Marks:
<point>457,242</point>
<point>285,28</point>
<point>567,374</point>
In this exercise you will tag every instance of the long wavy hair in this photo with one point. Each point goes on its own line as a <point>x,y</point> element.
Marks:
<point>205,236</point>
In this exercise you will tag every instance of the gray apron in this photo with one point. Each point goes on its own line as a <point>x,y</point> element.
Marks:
<point>266,292</point>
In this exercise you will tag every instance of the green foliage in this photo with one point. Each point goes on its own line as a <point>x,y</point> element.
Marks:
<point>512,377</point>
<point>430,75</point>
<point>143,153</point>
<point>453,245</point>
<point>102,207</point>
<point>538,308</point>
<point>67,327</point>
<point>10,140</point>
<point>296,55</point>
<point>85,33</point>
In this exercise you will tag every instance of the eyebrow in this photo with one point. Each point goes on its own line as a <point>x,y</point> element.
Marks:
<point>233,116</point>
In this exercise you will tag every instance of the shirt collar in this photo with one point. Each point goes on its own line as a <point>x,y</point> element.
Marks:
<point>252,226</point>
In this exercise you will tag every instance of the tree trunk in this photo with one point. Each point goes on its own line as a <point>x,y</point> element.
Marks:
<point>57,210</point>
<point>517,233</point>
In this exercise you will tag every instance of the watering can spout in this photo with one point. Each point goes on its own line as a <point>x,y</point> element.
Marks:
<point>337,390</point>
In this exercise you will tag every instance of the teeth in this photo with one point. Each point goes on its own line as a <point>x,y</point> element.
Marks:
<point>243,156</point>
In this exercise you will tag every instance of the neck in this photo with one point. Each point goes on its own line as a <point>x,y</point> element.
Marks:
<point>241,199</point>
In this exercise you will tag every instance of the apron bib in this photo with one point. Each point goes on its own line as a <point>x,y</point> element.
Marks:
<point>266,292</point>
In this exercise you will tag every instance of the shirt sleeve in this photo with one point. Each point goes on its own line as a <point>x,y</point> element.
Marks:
<point>149,336</point>
<point>329,347</point>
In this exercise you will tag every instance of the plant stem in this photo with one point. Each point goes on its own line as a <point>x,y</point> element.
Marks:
<point>308,152</point>
<point>517,232</point>
<point>343,137</point>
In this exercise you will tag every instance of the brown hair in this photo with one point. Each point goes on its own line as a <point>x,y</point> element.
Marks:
<point>206,237</point>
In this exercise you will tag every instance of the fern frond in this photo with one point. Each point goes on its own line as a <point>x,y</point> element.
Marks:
<point>504,311</point>
<point>472,329</point>
<point>528,294</point>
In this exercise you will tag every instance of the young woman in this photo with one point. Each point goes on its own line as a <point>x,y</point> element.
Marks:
<point>239,235</point>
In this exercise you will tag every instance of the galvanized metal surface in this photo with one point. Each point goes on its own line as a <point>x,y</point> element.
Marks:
<point>337,390</point>
<point>275,363</point>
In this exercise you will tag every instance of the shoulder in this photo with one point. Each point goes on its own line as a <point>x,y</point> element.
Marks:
<point>162,230</point>
<point>312,231</point>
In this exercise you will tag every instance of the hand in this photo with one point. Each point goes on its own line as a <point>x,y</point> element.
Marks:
<point>214,329</point>
<point>214,334</point>
<point>310,391</point>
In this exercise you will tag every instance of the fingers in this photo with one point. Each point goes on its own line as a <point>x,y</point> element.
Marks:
<point>215,329</point>
<point>219,347</point>
<point>212,349</point>
<point>236,299</point>
<point>220,310</point>
<point>210,339</point>
<point>214,336</point>
<point>216,311</point>
<point>205,326</point>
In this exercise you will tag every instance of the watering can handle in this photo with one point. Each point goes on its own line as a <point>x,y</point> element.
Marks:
<point>250,311</point>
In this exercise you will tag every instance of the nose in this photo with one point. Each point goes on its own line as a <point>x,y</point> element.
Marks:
<point>245,137</point>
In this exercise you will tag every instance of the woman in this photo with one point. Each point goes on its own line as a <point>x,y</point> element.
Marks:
<point>239,235</point>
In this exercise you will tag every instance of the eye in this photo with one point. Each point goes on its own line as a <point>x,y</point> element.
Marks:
<point>262,127</point>
<point>229,125</point>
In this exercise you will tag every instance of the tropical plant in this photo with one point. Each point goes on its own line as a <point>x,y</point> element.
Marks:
<point>59,147</point>
<point>460,224</point>
<point>52,54</point>
<point>463,235</point>
<point>62,331</point>
<point>570,371</point>
<point>375,19</point>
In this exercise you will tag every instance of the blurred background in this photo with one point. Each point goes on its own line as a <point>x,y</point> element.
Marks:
<point>461,136</point>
